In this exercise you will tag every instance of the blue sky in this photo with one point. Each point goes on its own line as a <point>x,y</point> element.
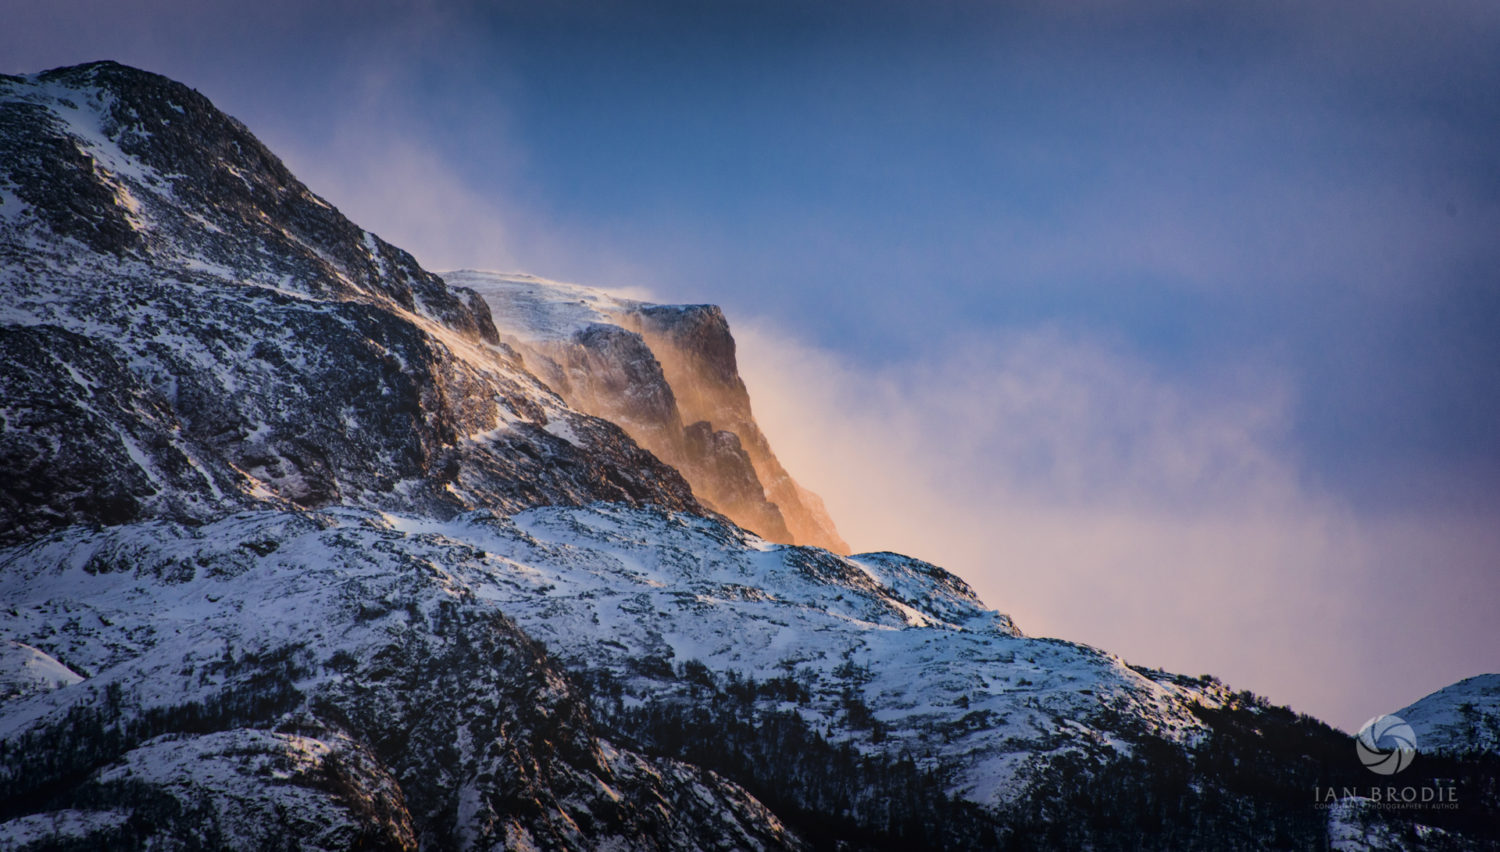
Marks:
<point>973,224</point>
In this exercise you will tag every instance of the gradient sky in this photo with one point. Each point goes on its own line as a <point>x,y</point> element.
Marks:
<point>1172,326</point>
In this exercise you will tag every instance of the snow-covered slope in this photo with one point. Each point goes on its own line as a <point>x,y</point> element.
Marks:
<point>186,329</point>
<point>26,671</point>
<point>1458,718</point>
<point>322,677</point>
<point>531,309</point>
<point>667,374</point>
<point>285,638</point>
<point>566,675</point>
<point>906,641</point>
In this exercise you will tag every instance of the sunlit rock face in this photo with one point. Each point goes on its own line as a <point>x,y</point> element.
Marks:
<point>697,353</point>
<point>186,328</point>
<point>667,374</point>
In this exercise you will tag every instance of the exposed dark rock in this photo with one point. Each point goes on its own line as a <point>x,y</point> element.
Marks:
<point>85,440</point>
<point>192,331</point>
<point>58,180</point>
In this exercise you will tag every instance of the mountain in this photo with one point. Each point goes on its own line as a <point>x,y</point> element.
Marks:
<point>1459,718</point>
<point>667,375</point>
<point>303,546</point>
<point>187,330</point>
<point>1456,730</point>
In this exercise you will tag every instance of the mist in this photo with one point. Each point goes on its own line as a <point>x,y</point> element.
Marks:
<point>1169,522</point>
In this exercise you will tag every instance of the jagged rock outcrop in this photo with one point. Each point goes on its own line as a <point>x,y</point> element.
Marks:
<point>187,329</point>
<point>697,354</point>
<point>668,375</point>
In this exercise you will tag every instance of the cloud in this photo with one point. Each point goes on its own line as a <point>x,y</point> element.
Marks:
<point>400,181</point>
<point>1164,519</point>
<point>399,190</point>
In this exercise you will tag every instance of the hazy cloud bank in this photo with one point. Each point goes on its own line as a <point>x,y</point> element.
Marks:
<point>1163,520</point>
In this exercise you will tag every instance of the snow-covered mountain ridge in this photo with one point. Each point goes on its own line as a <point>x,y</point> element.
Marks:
<point>322,665</point>
<point>1460,718</point>
<point>412,650</point>
<point>160,612</point>
<point>302,545</point>
<point>158,609</point>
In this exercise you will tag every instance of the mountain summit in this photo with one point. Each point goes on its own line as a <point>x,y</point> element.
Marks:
<point>304,546</point>
<point>667,375</point>
<point>188,329</point>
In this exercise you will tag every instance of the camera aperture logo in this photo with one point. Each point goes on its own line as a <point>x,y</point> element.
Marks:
<point>1386,745</point>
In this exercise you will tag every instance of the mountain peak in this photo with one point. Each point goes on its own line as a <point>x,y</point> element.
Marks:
<point>668,375</point>
<point>193,330</point>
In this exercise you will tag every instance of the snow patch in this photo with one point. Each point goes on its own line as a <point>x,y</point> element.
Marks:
<point>49,829</point>
<point>26,671</point>
<point>534,309</point>
<point>560,427</point>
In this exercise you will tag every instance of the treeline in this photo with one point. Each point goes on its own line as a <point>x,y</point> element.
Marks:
<point>1251,783</point>
<point>41,769</point>
<point>831,794</point>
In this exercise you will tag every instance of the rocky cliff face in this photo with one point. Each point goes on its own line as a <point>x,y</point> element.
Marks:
<point>697,354</point>
<point>668,375</point>
<point>187,329</point>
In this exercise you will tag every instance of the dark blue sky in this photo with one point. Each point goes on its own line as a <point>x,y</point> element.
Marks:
<point>1292,200</point>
